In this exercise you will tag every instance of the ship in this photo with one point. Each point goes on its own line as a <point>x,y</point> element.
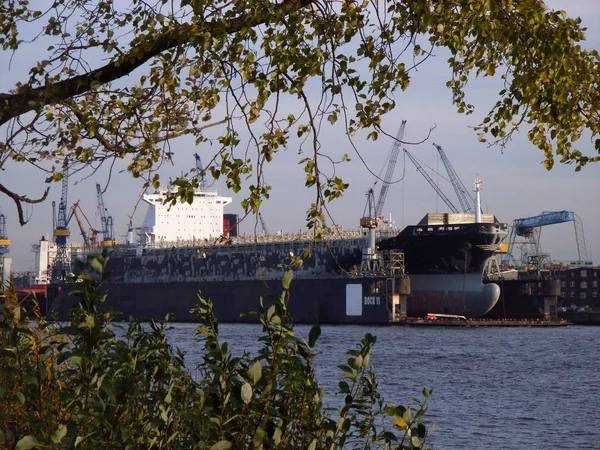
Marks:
<point>179,254</point>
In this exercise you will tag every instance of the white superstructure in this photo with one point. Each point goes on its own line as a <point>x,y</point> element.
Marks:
<point>202,219</point>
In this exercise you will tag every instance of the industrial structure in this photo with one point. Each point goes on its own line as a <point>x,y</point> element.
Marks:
<point>61,263</point>
<point>525,234</point>
<point>108,228</point>
<point>200,172</point>
<point>467,202</point>
<point>5,261</point>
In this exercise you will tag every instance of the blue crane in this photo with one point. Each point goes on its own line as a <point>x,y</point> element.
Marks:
<point>61,263</point>
<point>4,241</point>
<point>200,171</point>
<point>4,250</point>
<point>390,164</point>
<point>467,202</point>
<point>530,229</point>
<point>108,230</point>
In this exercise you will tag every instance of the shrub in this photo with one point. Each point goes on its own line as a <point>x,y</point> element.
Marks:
<point>80,385</point>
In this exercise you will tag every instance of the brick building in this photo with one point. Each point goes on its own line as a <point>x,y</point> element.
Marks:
<point>580,286</point>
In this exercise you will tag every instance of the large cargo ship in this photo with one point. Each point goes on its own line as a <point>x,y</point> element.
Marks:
<point>178,255</point>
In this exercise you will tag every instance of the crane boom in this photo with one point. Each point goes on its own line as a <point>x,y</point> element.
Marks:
<point>467,202</point>
<point>73,212</point>
<point>393,157</point>
<point>263,224</point>
<point>106,220</point>
<point>431,182</point>
<point>200,170</point>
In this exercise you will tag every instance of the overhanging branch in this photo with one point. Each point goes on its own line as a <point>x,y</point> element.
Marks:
<point>27,99</point>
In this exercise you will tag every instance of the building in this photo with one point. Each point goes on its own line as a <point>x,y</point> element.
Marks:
<point>580,286</point>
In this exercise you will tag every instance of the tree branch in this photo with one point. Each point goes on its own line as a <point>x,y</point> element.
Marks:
<point>27,99</point>
<point>19,199</point>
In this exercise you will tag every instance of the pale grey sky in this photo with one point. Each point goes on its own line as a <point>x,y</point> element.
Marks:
<point>515,184</point>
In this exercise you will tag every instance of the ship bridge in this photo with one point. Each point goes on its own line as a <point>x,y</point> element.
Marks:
<point>202,219</point>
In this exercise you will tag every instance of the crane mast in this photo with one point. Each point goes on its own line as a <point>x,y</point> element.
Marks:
<point>391,164</point>
<point>61,231</point>
<point>431,182</point>
<point>5,263</point>
<point>466,200</point>
<point>200,171</point>
<point>106,220</point>
<point>263,225</point>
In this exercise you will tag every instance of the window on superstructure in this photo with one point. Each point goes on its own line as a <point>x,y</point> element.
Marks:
<point>583,274</point>
<point>594,294</point>
<point>583,285</point>
<point>571,284</point>
<point>571,294</point>
<point>583,295</point>
<point>595,283</point>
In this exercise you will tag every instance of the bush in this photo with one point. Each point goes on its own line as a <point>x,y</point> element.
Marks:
<point>79,385</point>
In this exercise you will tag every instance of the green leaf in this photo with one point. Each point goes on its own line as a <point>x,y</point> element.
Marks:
<point>255,372</point>
<point>221,445</point>
<point>277,436</point>
<point>287,279</point>
<point>314,334</point>
<point>97,265</point>
<point>246,393</point>
<point>27,442</point>
<point>59,434</point>
<point>416,442</point>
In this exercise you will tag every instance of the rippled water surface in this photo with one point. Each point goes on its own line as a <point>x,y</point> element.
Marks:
<point>493,388</point>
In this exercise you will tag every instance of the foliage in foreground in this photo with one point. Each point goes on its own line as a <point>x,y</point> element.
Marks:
<point>125,80</point>
<point>88,384</point>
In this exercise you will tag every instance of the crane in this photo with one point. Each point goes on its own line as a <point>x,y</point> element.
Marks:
<point>108,230</point>
<point>530,229</point>
<point>263,225</point>
<point>467,202</point>
<point>390,164</point>
<point>200,171</point>
<point>4,241</point>
<point>431,182</point>
<point>88,240</point>
<point>61,233</point>
<point>4,250</point>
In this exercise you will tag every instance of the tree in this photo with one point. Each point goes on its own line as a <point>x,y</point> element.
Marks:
<point>124,81</point>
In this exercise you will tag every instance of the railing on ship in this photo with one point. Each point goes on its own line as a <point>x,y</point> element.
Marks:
<point>299,237</point>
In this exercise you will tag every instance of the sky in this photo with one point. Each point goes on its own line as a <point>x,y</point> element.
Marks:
<point>515,183</point>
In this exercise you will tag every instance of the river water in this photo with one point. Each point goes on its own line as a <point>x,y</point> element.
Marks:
<point>493,388</point>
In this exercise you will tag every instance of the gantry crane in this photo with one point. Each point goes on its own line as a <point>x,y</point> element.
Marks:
<point>108,230</point>
<point>200,171</point>
<point>431,182</point>
<point>467,202</point>
<point>61,263</point>
<point>530,230</point>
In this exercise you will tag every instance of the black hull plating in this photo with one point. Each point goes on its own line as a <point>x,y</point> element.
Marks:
<point>444,264</point>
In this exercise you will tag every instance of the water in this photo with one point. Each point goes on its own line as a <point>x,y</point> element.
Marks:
<point>493,388</point>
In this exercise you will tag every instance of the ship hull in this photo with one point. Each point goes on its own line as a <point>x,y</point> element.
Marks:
<point>332,301</point>
<point>444,262</point>
<point>462,294</point>
<point>312,301</point>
